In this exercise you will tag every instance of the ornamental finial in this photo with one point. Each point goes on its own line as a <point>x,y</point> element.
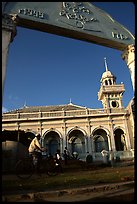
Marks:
<point>105,64</point>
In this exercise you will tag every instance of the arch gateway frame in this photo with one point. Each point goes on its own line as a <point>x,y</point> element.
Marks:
<point>79,20</point>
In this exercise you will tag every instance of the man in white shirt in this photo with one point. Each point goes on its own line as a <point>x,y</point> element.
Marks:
<point>35,150</point>
<point>35,145</point>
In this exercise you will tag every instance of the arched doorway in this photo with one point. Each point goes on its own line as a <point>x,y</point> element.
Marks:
<point>100,140</point>
<point>52,142</point>
<point>76,142</point>
<point>120,140</point>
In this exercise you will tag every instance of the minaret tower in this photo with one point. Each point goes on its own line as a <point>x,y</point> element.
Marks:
<point>110,93</point>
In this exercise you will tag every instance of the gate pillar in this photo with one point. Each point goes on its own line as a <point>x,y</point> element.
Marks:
<point>129,57</point>
<point>8,34</point>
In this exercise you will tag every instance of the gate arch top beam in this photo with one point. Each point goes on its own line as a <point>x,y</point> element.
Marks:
<point>79,20</point>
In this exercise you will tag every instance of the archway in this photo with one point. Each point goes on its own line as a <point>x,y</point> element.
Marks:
<point>51,141</point>
<point>120,140</point>
<point>100,140</point>
<point>76,142</point>
<point>80,20</point>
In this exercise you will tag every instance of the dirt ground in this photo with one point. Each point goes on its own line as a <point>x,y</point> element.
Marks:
<point>103,193</point>
<point>111,192</point>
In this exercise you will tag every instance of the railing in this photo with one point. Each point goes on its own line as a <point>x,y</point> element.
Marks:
<point>62,114</point>
<point>52,114</point>
<point>116,88</point>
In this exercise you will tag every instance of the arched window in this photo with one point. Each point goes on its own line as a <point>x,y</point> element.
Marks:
<point>110,82</point>
<point>106,82</point>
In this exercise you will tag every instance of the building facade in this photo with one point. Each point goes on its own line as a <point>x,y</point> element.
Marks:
<point>80,129</point>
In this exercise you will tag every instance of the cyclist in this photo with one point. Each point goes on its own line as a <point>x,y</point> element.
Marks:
<point>35,150</point>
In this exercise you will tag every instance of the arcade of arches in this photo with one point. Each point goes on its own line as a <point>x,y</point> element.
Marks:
<point>76,140</point>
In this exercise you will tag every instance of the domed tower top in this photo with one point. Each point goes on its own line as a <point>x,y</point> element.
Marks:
<point>110,93</point>
<point>107,77</point>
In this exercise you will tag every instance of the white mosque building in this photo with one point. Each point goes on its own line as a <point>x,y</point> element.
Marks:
<point>80,129</point>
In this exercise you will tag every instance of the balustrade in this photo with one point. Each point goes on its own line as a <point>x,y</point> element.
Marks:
<point>60,114</point>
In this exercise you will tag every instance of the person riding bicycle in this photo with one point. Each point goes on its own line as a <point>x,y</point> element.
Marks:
<point>35,150</point>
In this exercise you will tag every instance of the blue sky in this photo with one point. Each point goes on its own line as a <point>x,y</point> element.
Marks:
<point>45,69</point>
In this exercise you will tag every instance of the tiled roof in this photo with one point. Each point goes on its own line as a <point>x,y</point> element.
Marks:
<point>31,109</point>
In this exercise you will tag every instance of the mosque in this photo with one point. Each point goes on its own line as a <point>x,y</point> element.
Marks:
<point>80,129</point>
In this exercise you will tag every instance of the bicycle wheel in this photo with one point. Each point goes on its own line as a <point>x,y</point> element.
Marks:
<point>51,168</point>
<point>52,171</point>
<point>24,168</point>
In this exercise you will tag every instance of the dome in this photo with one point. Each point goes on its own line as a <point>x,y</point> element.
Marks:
<point>107,74</point>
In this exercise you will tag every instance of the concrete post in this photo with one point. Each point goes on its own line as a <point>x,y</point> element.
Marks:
<point>89,148</point>
<point>64,135</point>
<point>129,57</point>
<point>112,135</point>
<point>109,142</point>
<point>8,34</point>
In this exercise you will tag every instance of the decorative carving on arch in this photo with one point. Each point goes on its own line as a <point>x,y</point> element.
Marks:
<point>79,20</point>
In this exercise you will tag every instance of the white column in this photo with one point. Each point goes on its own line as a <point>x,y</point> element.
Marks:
<point>61,145</point>
<point>93,146</point>
<point>109,142</point>
<point>113,147</point>
<point>64,136</point>
<point>8,33</point>
<point>129,57</point>
<point>88,144</point>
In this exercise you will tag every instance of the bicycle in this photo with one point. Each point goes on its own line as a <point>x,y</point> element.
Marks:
<point>25,167</point>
